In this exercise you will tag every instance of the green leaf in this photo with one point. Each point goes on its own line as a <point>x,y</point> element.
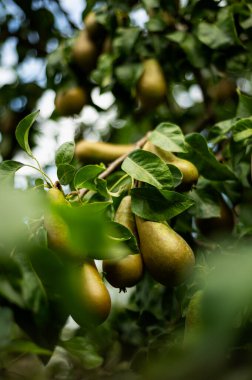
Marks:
<point>242,129</point>
<point>155,205</point>
<point>147,167</point>
<point>212,36</point>
<point>10,280</point>
<point>122,233</point>
<point>129,74</point>
<point>64,154</point>
<point>6,326</point>
<point>244,108</point>
<point>8,169</point>
<point>85,176</point>
<point>83,349</point>
<point>168,136</point>
<point>191,46</point>
<point>204,159</point>
<point>65,173</point>
<point>206,203</point>
<point>22,131</point>
<point>25,346</point>
<point>125,40</point>
<point>177,176</point>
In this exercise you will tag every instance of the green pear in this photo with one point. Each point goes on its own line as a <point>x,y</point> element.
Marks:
<point>188,169</point>
<point>128,271</point>
<point>166,255</point>
<point>99,151</point>
<point>151,86</point>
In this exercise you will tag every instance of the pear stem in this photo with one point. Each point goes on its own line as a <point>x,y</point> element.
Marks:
<point>112,166</point>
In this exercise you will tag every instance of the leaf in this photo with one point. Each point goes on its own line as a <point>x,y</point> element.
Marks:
<point>122,233</point>
<point>84,350</point>
<point>168,136</point>
<point>147,167</point>
<point>129,74</point>
<point>85,176</point>
<point>177,176</point>
<point>204,159</point>
<point>65,173</point>
<point>212,36</point>
<point>244,108</point>
<point>25,346</point>
<point>206,204</point>
<point>6,327</point>
<point>242,129</point>
<point>22,131</point>
<point>155,205</point>
<point>191,46</point>
<point>8,169</point>
<point>64,154</point>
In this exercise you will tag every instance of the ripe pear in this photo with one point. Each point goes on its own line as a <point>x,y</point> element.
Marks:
<point>87,298</point>
<point>194,318</point>
<point>57,231</point>
<point>188,169</point>
<point>217,227</point>
<point>90,151</point>
<point>84,52</point>
<point>94,29</point>
<point>151,87</point>
<point>128,271</point>
<point>70,101</point>
<point>166,255</point>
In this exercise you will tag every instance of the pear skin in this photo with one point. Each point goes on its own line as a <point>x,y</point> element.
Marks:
<point>128,271</point>
<point>70,101</point>
<point>125,216</point>
<point>151,87</point>
<point>87,297</point>
<point>57,231</point>
<point>188,169</point>
<point>84,52</point>
<point>166,255</point>
<point>93,152</point>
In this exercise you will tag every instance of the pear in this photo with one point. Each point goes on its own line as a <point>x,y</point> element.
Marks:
<point>194,319</point>
<point>94,29</point>
<point>166,255</point>
<point>217,227</point>
<point>128,271</point>
<point>84,52</point>
<point>57,231</point>
<point>91,152</point>
<point>70,101</point>
<point>188,169</point>
<point>87,298</point>
<point>151,86</point>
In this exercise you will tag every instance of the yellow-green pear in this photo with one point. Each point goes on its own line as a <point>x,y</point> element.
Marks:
<point>194,319</point>
<point>188,169</point>
<point>151,86</point>
<point>84,52</point>
<point>128,271</point>
<point>71,100</point>
<point>57,231</point>
<point>166,255</point>
<point>92,152</point>
<point>87,298</point>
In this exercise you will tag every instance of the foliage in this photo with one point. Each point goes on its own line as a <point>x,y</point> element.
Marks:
<point>159,333</point>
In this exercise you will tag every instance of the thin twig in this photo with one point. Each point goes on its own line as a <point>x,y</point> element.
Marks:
<point>112,166</point>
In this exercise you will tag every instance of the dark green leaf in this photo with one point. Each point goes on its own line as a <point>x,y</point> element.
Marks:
<point>129,74</point>
<point>205,161</point>
<point>147,167</point>
<point>7,171</point>
<point>244,108</point>
<point>206,203</point>
<point>242,129</point>
<point>85,176</point>
<point>64,154</point>
<point>65,173</point>
<point>151,204</point>
<point>22,131</point>
<point>168,136</point>
<point>6,327</point>
<point>122,233</point>
<point>85,351</point>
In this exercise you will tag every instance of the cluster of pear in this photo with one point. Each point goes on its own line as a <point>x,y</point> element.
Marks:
<point>87,46</point>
